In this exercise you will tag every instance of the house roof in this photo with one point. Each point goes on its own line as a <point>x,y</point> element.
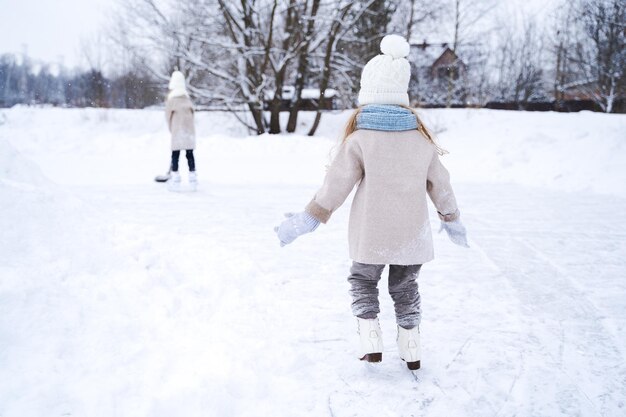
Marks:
<point>427,54</point>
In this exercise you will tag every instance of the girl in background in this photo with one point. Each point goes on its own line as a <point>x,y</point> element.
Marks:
<point>179,114</point>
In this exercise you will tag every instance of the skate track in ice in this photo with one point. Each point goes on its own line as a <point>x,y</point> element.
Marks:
<point>120,298</point>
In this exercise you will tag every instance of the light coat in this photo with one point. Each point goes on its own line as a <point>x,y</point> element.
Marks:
<point>179,114</point>
<point>389,216</point>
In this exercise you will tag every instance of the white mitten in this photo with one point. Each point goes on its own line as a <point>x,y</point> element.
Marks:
<point>294,225</point>
<point>456,232</point>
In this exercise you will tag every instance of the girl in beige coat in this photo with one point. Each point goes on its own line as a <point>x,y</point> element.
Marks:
<point>392,159</point>
<point>179,115</point>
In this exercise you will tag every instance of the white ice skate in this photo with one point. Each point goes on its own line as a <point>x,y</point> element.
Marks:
<point>409,347</point>
<point>371,340</point>
<point>193,181</point>
<point>173,184</point>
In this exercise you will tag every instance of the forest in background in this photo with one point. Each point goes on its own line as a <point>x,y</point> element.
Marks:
<point>244,56</point>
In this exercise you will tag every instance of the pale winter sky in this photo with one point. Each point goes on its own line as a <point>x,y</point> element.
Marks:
<point>52,30</point>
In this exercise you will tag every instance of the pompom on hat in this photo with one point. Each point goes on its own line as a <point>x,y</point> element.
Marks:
<point>385,78</point>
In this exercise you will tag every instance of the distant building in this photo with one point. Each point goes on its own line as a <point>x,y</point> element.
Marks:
<point>584,95</point>
<point>579,90</point>
<point>309,99</point>
<point>436,75</point>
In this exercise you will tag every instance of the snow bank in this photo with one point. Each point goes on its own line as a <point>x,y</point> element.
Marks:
<point>37,216</point>
<point>563,151</point>
<point>568,152</point>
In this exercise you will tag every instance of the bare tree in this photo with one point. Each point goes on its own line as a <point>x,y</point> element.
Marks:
<point>600,50</point>
<point>145,32</point>
<point>252,51</point>
<point>467,32</point>
<point>281,58</point>
<point>520,64</point>
<point>412,13</point>
<point>242,56</point>
<point>561,49</point>
<point>346,14</point>
<point>223,55</point>
<point>303,68</point>
<point>466,18</point>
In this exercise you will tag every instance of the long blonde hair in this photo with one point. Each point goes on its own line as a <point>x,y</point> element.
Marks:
<point>352,123</point>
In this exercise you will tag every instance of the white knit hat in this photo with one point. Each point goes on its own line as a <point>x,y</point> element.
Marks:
<point>177,85</point>
<point>385,78</point>
<point>177,82</point>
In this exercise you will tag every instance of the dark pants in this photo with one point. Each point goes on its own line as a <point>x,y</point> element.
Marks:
<point>190,160</point>
<point>402,288</point>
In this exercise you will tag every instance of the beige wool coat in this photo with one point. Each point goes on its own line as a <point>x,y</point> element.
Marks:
<point>179,114</point>
<point>395,171</point>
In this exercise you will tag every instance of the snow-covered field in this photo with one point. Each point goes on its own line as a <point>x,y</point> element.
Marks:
<point>119,298</point>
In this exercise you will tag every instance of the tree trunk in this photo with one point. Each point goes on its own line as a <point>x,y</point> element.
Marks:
<point>323,85</point>
<point>409,26</point>
<point>457,24</point>
<point>296,101</point>
<point>257,115</point>
<point>333,32</point>
<point>275,105</point>
<point>291,34</point>
<point>303,64</point>
<point>275,116</point>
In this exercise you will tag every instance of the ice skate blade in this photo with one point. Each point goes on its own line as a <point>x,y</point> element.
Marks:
<point>413,366</point>
<point>372,357</point>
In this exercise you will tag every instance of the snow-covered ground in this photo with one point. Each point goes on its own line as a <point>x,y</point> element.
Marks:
<point>119,298</point>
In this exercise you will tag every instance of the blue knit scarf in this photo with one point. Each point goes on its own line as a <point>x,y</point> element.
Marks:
<point>386,117</point>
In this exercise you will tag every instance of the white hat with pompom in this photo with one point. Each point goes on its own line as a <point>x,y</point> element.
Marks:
<point>177,81</point>
<point>385,78</point>
<point>177,86</point>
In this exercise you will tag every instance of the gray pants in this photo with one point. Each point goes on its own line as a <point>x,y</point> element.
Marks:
<point>402,288</point>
